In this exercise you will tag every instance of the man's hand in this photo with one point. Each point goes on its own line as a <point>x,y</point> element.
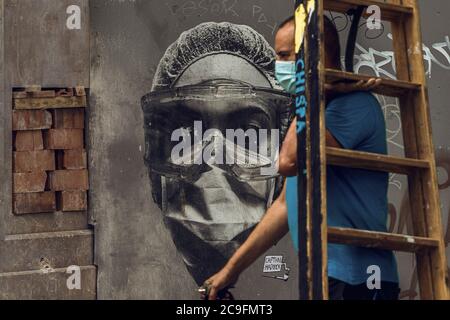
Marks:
<point>221,280</point>
<point>345,87</point>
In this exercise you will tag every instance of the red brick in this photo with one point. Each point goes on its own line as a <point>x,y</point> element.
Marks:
<point>31,120</point>
<point>34,161</point>
<point>34,203</point>
<point>75,159</point>
<point>30,182</point>
<point>29,141</point>
<point>69,180</point>
<point>68,118</point>
<point>64,139</point>
<point>73,201</point>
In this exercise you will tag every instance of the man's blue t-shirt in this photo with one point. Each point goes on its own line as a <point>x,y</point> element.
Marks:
<point>355,198</point>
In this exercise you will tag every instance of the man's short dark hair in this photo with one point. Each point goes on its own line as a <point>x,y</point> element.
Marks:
<point>331,38</point>
<point>287,21</point>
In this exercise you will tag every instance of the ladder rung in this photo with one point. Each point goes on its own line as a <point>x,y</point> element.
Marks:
<point>380,240</point>
<point>388,87</point>
<point>373,161</point>
<point>388,11</point>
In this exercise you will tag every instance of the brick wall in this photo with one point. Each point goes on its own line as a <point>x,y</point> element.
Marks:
<point>49,158</point>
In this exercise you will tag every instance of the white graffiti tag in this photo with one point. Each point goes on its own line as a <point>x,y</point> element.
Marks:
<point>382,63</point>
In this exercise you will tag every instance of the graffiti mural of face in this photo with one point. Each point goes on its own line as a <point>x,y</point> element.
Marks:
<point>218,75</point>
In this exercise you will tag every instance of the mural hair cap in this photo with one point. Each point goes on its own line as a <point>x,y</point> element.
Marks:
<point>209,38</point>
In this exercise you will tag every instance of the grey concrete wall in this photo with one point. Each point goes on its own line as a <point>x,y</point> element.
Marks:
<point>36,48</point>
<point>42,52</point>
<point>134,252</point>
<point>4,135</point>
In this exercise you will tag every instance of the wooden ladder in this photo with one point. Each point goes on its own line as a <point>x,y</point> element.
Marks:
<point>427,242</point>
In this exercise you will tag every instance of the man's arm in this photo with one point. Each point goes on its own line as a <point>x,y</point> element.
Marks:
<point>287,165</point>
<point>272,228</point>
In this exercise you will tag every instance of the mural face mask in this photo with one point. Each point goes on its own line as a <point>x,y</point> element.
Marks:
<point>211,204</point>
<point>285,74</point>
<point>221,76</point>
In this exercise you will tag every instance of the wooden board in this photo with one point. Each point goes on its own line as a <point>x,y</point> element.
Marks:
<point>303,196</point>
<point>50,103</point>
<point>372,161</point>
<point>423,268</point>
<point>425,149</point>
<point>313,280</point>
<point>381,240</point>
<point>391,11</point>
<point>387,87</point>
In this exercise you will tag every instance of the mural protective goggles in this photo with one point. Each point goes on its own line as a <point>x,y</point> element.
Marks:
<point>221,108</point>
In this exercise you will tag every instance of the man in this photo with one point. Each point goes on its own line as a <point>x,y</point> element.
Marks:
<point>356,198</point>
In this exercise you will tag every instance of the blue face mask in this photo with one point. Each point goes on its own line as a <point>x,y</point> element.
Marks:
<point>285,74</point>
